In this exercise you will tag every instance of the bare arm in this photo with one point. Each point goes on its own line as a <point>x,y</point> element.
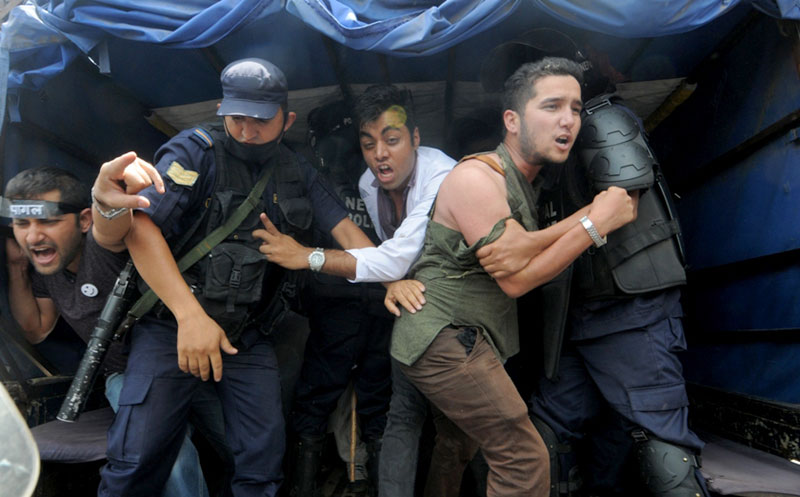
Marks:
<point>116,185</point>
<point>488,205</point>
<point>199,337</point>
<point>516,246</point>
<point>287,252</point>
<point>36,316</point>
<point>349,236</point>
<point>610,210</point>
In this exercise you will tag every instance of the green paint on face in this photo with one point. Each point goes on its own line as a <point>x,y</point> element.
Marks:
<point>396,116</point>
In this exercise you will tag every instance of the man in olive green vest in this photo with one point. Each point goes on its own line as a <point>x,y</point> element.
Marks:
<point>453,349</point>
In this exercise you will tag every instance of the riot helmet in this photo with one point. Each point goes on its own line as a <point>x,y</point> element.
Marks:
<point>531,46</point>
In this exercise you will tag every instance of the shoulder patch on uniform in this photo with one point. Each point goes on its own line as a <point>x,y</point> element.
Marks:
<point>204,136</point>
<point>181,176</point>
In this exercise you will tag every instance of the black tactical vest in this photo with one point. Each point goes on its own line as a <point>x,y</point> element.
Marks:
<point>234,282</point>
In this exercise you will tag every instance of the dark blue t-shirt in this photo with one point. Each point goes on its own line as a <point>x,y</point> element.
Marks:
<point>80,297</point>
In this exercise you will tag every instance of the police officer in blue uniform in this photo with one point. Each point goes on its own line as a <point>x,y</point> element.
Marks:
<point>217,314</point>
<point>616,318</point>
<point>350,327</point>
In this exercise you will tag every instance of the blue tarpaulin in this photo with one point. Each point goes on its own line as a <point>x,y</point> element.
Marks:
<point>637,18</point>
<point>36,37</point>
<point>401,28</point>
<point>41,38</point>
<point>643,18</point>
<point>32,32</point>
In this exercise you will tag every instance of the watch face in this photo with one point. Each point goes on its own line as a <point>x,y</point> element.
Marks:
<point>316,260</point>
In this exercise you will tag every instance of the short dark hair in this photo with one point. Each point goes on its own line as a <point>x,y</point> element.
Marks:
<point>40,180</point>
<point>377,99</point>
<point>519,87</point>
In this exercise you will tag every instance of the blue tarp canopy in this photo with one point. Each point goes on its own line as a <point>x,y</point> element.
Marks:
<point>40,38</point>
<point>163,53</point>
<point>154,48</point>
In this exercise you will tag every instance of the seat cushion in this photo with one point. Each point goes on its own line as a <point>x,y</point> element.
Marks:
<point>82,441</point>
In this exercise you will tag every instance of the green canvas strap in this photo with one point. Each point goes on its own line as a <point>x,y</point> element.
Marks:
<point>149,299</point>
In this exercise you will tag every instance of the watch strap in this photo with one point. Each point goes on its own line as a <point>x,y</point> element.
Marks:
<point>588,225</point>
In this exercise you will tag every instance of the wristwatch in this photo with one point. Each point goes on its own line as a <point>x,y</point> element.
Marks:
<point>316,260</point>
<point>109,214</point>
<point>598,240</point>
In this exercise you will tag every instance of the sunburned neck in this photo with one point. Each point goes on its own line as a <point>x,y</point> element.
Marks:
<point>528,169</point>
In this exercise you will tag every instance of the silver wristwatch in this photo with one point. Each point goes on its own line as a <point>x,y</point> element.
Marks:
<point>109,214</point>
<point>598,240</point>
<point>316,260</point>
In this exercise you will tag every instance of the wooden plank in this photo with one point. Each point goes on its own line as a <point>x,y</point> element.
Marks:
<point>6,6</point>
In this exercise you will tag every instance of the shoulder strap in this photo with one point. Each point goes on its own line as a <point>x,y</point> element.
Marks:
<point>148,300</point>
<point>486,159</point>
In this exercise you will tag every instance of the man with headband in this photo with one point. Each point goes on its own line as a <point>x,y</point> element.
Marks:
<point>73,275</point>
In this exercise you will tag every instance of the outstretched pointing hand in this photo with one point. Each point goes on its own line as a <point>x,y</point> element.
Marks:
<point>120,179</point>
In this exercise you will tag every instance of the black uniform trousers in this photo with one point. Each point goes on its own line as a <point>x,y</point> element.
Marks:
<point>348,341</point>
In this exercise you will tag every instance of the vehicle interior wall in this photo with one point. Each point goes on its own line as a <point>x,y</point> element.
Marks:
<point>731,152</point>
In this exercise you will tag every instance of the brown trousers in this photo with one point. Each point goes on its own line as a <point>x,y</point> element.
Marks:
<point>475,392</point>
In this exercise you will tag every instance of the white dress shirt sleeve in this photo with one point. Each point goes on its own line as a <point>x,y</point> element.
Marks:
<point>392,259</point>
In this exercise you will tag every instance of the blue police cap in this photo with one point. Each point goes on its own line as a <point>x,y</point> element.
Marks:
<point>252,87</point>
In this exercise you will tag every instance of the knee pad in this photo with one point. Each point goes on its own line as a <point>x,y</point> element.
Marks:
<point>565,479</point>
<point>668,470</point>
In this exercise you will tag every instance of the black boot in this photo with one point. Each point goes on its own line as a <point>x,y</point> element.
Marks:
<point>306,460</point>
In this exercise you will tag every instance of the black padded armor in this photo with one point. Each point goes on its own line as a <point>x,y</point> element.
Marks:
<point>668,470</point>
<point>612,148</point>
<point>337,158</point>
<point>644,255</point>
<point>565,480</point>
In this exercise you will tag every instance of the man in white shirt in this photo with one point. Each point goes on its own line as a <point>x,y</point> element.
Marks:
<point>398,188</point>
